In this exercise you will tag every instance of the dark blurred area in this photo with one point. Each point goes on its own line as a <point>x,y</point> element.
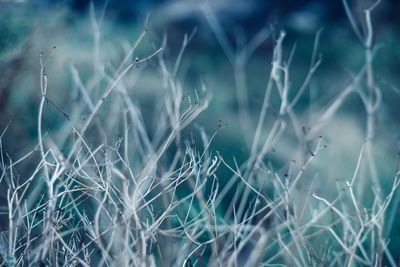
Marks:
<point>301,15</point>
<point>246,13</point>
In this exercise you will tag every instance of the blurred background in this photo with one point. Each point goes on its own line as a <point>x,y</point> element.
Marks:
<point>64,31</point>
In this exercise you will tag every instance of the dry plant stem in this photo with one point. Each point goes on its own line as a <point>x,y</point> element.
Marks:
<point>11,226</point>
<point>372,102</point>
<point>263,112</point>
<point>350,185</point>
<point>48,180</point>
<point>119,74</point>
<point>279,123</point>
<point>43,89</point>
<point>373,92</point>
<point>313,68</point>
<point>276,60</point>
<point>185,42</point>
